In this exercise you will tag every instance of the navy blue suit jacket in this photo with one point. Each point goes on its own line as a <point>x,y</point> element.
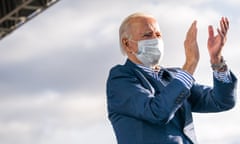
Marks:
<point>142,110</point>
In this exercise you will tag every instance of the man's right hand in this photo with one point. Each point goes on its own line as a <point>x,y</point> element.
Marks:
<point>191,49</point>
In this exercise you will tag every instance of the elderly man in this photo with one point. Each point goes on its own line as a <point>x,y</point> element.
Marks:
<point>150,104</point>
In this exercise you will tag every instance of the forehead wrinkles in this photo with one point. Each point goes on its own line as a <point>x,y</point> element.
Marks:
<point>143,24</point>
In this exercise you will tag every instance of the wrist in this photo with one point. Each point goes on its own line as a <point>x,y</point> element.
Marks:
<point>191,62</point>
<point>216,60</point>
<point>190,67</point>
<point>219,65</point>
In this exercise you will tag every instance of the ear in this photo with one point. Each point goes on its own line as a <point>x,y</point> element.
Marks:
<point>125,42</point>
<point>127,46</point>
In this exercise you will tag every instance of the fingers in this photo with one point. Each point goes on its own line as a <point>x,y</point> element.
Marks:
<point>224,23</point>
<point>222,31</point>
<point>192,32</point>
<point>224,26</point>
<point>194,28</point>
<point>194,24</point>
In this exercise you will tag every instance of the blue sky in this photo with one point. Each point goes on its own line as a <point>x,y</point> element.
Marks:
<point>54,68</point>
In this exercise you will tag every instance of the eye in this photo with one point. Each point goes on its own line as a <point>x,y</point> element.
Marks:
<point>158,35</point>
<point>146,35</point>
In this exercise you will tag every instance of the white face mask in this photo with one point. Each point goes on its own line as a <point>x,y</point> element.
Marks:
<point>150,52</point>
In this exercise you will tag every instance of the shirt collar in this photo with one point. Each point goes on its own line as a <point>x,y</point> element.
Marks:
<point>142,67</point>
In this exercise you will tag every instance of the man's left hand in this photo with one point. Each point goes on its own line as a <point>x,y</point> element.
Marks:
<point>216,43</point>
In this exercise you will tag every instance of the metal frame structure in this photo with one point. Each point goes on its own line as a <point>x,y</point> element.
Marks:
<point>15,13</point>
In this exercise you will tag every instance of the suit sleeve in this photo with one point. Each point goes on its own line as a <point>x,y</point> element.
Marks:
<point>126,96</point>
<point>221,97</point>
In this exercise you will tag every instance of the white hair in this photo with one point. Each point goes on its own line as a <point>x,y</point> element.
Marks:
<point>124,27</point>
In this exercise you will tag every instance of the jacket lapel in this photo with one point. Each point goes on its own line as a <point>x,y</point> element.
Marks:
<point>188,129</point>
<point>145,82</point>
<point>141,77</point>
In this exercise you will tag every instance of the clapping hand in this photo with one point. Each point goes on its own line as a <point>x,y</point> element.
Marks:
<point>216,43</point>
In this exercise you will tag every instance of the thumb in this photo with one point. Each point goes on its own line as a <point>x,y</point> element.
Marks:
<point>210,31</point>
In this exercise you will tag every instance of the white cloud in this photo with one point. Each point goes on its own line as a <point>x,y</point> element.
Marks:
<point>41,118</point>
<point>219,127</point>
<point>57,30</point>
<point>234,2</point>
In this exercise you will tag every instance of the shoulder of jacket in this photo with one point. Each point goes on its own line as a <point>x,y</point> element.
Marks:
<point>121,70</point>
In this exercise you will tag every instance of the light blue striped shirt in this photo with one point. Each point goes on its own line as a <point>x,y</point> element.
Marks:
<point>222,76</point>
<point>188,80</point>
<point>185,78</point>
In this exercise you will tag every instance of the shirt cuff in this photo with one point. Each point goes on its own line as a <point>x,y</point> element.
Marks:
<point>185,78</point>
<point>222,76</point>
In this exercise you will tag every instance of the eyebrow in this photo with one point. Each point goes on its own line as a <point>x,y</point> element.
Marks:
<point>150,32</point>
<point>147,32</point>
